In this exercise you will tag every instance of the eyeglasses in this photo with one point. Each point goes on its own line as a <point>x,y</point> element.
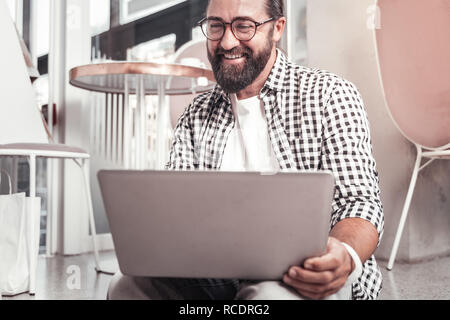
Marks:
<point>243,29</point>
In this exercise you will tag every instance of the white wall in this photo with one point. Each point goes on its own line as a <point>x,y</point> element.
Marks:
<point>340,41</point>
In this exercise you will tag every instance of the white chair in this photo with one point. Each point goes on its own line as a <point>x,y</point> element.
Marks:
<point>22,129</point>
<point>191,53</point>
<point>413,55</point>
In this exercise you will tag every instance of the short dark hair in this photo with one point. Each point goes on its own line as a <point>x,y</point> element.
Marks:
<point>275,8</point>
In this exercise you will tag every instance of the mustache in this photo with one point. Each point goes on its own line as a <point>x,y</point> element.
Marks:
<point>235,51</point>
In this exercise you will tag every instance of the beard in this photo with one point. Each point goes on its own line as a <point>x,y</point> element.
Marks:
<point>234,78</point>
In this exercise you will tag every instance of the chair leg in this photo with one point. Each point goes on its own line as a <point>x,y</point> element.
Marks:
<point>50,213</point>
<point>14,171</point>
<point>32,254</point>
<point>87,189</point>
<point>405,210</point>
<point>85,168</point>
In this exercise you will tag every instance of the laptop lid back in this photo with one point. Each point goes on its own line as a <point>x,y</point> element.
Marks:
<point>186,224</point>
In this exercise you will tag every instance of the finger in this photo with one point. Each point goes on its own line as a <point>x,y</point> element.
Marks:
<point>315,290</point>
<point>308,276</point>
<point>327,262</point>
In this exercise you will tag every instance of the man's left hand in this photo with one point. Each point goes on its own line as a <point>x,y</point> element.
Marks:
<point>322,276</point>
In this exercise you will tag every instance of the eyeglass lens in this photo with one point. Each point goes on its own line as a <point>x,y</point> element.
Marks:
<point>243,29</point>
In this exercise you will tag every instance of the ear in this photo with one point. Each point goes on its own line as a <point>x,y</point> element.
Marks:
<point>279,28</point>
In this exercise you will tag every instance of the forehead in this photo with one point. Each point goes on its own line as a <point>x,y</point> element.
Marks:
<point>229,9</point>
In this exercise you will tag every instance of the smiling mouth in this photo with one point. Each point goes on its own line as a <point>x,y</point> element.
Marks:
<point>233,56</point>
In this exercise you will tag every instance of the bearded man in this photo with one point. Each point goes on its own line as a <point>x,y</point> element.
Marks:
<point>269,114</point>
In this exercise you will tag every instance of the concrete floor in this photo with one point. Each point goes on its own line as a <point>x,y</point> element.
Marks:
<point>74,278</point>
<point>71,278</point>
<point>428,280</point>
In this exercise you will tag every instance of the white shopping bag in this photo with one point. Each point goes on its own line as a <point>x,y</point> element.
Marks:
<point>19,241</point>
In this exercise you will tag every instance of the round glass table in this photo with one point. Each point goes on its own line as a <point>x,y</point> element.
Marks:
<point>141,79</point>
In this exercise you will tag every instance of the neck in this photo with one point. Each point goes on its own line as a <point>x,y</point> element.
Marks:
<point>255,88</point>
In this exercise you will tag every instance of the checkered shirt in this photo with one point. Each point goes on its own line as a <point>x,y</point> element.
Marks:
<point>316,121</point>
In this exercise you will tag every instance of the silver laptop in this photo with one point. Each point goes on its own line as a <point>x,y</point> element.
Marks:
<point>185,224</point>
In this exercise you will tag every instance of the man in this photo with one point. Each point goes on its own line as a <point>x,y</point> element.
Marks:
<point>265,114</point>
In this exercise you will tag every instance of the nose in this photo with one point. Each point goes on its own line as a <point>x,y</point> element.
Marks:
<point>229,41</point>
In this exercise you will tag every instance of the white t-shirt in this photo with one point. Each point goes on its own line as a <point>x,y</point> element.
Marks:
<point>248,146</point>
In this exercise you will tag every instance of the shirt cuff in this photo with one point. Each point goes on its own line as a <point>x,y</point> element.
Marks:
<point>354,276</point>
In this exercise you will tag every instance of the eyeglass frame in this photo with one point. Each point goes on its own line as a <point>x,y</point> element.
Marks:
<point>257,24</point>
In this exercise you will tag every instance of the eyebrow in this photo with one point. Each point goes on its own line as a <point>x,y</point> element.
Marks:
<point>240,17</point>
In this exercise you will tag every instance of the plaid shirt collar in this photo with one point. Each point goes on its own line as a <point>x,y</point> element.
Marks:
<point>273,83</point>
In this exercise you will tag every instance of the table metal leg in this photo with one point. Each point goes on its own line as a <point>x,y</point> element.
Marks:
<point>161,148</point>
<point>142,118</point>
<point>126,125</point>
<point>137,127</point>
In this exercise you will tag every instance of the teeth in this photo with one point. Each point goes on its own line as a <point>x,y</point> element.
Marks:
<point>233,56</point>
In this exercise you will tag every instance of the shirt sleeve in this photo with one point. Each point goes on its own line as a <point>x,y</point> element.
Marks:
<point>182,154</point>
<point>347,152</point>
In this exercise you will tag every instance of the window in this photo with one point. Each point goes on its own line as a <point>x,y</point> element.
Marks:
<point>131,10</point>
<point>146,20</point>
